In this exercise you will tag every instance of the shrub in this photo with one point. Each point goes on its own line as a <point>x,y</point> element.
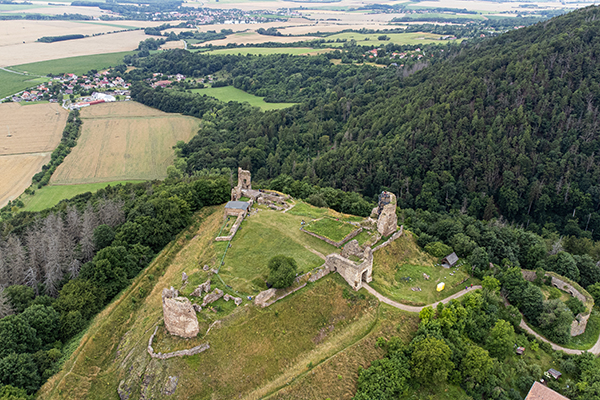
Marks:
<point>438,249</point>
<point>282,271</point>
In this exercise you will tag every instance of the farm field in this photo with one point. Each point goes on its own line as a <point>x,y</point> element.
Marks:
<point>230,93</point>
<point>35,131</point>
<point>51,195</point>
<point>35,128</point>
<point>124,141</point>
<point>74,65</point>
<point>30,52</point>
<point>396,38</point>
<point>399,267</point>
<point>252,37</point>
<point>271,50</point>
<point>11,83</point>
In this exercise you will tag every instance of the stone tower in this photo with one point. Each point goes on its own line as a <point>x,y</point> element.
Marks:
<point>387,221</point>
<point>244,183</point>
<point>180,316</point>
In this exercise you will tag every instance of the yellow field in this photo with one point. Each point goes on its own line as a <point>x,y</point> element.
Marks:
<point>35,130</point>
<point>16,173</point>
<point>122,141</point>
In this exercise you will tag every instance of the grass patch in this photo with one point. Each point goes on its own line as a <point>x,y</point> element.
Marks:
<point>410,38</point>
<point>262,236</point>
<point>403,259</point>
<point>11,83</point>
<point>74,65</point>
<point>230,93</point>
<point>306,210</point>
<point>49,196</point>
<point>330,228</point>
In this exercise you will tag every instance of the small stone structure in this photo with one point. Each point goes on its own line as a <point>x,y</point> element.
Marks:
<point>354,273</point>
<point>387,221</point>
<point>180,353</point>
<point>180,316</point>
<point>238,209</point>
<point>205,287</point>
<point>244,183</point>
<point>272,199</point>
<point>212,297</point>
<point>263,297</point>
<point>579,324</point>
<point>236,300</point>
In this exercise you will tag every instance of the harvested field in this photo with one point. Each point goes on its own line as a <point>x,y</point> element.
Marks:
<point>35,128</point>
<point>253,37</point>
<point>75,65</point>
<point>21,53</point>
<point>124,141</point>
<point>271,50</point>
<point>17,171</point>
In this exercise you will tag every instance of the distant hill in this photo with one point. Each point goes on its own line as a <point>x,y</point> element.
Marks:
<point>505,126</point>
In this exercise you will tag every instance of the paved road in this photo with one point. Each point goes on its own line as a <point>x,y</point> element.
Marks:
<point>594,350</point>
<point>404,307</point>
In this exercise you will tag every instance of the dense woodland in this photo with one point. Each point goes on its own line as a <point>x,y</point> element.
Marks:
<point>506,126</point>
<point>60,267</point>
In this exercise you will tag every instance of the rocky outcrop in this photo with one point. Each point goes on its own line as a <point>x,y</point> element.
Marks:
<point>179,314</point>
<point>180,353</point>
<point>212,297</point>
<point>205,287</point>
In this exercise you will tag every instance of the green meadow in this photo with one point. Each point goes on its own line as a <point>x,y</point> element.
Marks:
<point>74,65</point>
<point>11,83</point>
<point>410,38</point>
<point>230,93</point>
<point>51,195</point>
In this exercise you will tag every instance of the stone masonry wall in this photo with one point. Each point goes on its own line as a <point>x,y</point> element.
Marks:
<point>180,353</point>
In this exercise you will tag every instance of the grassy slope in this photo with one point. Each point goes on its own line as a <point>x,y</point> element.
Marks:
<point>403,258</point>
<point>262,236</point>
<point>252,348</point>
<point>49,196</point>
<point>330,228</point>
<point>13,83</point>
<point>75,65</point>
<point>230,93</point>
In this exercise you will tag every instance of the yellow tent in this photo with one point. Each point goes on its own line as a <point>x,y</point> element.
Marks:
<point>440,286</point>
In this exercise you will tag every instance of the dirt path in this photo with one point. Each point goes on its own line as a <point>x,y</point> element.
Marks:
<point>315,252</point>
<point>594,350</point>
<point>416,309</point>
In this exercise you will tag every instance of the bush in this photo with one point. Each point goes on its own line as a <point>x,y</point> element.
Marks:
<point>575,305</point>
<point>282,271</point>
<point>438,249</point>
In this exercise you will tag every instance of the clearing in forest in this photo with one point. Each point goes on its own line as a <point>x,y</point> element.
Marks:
<point>399,267</point>
<point>29,135</point>
<point>124,141</point>
<point>230,93</point>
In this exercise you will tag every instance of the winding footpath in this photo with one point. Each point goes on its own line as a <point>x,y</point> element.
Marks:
<point>595,350</point>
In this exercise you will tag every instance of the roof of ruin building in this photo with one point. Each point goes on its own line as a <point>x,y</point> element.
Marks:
<point>541,392</point>
<point>238,205</point>
<point>452,258</point>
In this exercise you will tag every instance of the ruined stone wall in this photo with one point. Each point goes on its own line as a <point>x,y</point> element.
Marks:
<point>579,324</point>
<point>180,353</point>
<point>391,239</point>
<point>351,271</point>
<point>234,228</point>
<point>244,179</point>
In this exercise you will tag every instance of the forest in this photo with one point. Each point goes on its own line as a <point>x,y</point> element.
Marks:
<point>501,127</point>
<point>60,267</point>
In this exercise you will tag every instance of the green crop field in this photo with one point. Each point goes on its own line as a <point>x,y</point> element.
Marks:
<point>230,93</point>
<point>442,16</point>
<point>11,83</point>
<point>396,38</point>
<point>74,65</point>
<point>49,196</point>
<point>271,50</point>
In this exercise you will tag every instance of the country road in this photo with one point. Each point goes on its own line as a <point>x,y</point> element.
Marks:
<point>595,350</point>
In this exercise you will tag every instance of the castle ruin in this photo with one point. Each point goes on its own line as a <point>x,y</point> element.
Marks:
<point>179,314</point>
<point>387,221</point>
<point>355,273</point>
